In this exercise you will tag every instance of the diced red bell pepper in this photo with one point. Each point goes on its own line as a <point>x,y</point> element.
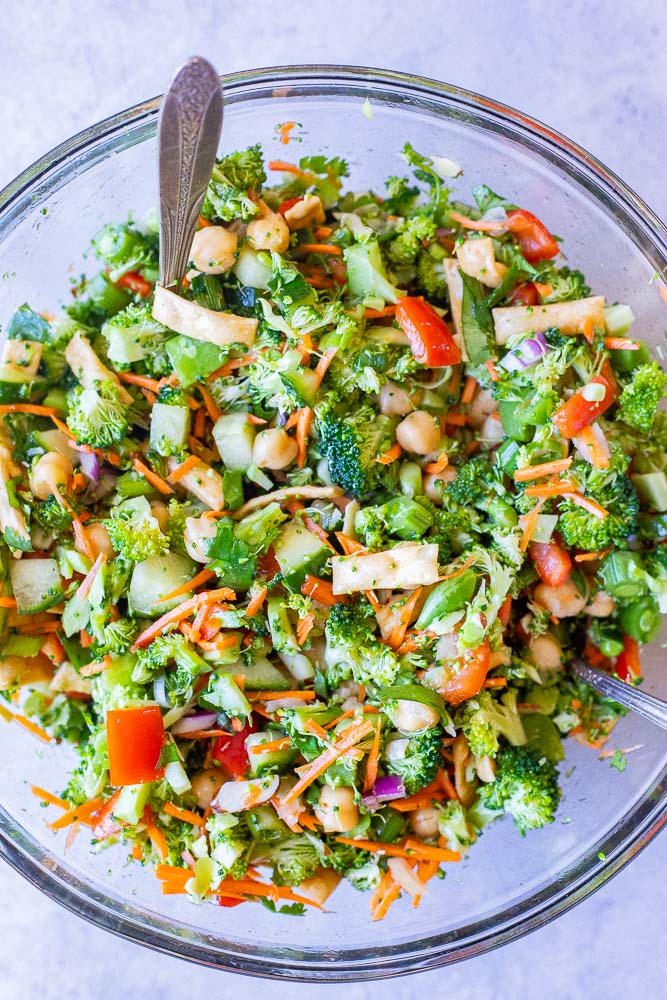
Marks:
<point>135,284</point>
<point>267,564</point>
<point>551,562</point>
<point>469,679</point>
<point>430,338</point>
<point>524,294</point>
<point>578,412</point>
<point>288,203</point>
<point>106,825</point>
<point>229,901</point>
<point>628,666</point>
<point>134,738</point>
<point>535,240</point>
<point>230,751</point>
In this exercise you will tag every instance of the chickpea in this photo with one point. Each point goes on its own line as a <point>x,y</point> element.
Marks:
<point>492,430</point>
<point>482,405</point>
<point>486,769</point>
<point>268,232</point>
<point>274,449</point>
<point>198,531</point>
<point>545,651</point>
<point>214,250</point>
<point>100,539</point>
<point>306,212</point>
<point>424,822</point>
<point>206,785</point>
<point>431,488</point>
<point>394,399</point>
<point>413,717</point>
<point>51,472</point>
<point>160,512</point>
<point>562,602</point>
<point>337,810</point>
<point>601,606</point>
<point>419,433</point>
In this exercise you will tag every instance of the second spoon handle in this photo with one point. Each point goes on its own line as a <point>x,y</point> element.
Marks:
<point>634,698</point>
<point>188,136</point>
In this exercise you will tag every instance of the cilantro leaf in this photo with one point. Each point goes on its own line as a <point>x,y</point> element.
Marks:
<point>231,559</point>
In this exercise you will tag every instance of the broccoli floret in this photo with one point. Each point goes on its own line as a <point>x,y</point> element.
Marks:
<point>294,859</point>
<point>353,649</point>
<point>229,842</point>
<point>351,443</point>
<point>526,786</point>
<point>431,273</point>
<point>99,417</point>
<point>401,517</point>
<point>343,857</point>
<point>116,637</point>
<point>640,398</point>
<point>158,656</point>
<point>483,719</point>
<point>178,515</point>
<point>411,235</point>
<point>583,530</point>
<point>51,515</point>
<point>366,877</point>
<point>134,336</point>
<point>419,759</point>
<point>135,534</point>
<point>484,607</point>
<point>233,176</point>
<point>401,196</point>
<point>565,284</point>
<point>475,480</point>
<point>453,825</point>
<point>125,249</point>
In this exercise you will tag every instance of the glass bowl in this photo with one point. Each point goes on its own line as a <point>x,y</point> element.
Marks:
<point>509,885</point>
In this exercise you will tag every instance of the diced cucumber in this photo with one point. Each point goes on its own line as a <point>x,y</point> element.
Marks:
<point>299,552</point>
<point>284,640</point>
<point>176,775</point>
<point>618,319</point>
<point>36,584</point>
<point>55,440</point>
<point>261,675</point>
<point>366,273</point>
<point>410,479</point>
<point>154,578</point>
<point>132,802</point>
<point>652,489</point>
<point>22,645</point>
<point>265,826</point>
<point>269,761</point>
<point>234,437</point>
<point>222,694</point>
<point>252,268</point>
<point>301,383</point>
<point>119,673</point>
<point>170,428</point>
<point>232,488</point>
<point>193,359</point>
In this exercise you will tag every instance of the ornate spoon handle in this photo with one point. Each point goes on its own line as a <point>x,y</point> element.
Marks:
<point>188,136</point>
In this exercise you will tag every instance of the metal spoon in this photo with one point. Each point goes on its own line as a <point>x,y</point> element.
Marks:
<point>188,135</point>
<point>631,697</point>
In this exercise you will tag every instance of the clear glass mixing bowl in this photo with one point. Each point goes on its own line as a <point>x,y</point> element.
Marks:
<point>509,885</point>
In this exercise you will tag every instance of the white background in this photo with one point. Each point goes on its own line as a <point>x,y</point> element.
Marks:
<point>594,70</point>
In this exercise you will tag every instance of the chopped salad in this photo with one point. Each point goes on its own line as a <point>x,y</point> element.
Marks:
<point>296,558</point>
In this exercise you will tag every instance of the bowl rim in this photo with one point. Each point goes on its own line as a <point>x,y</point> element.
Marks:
<point>622,843</point>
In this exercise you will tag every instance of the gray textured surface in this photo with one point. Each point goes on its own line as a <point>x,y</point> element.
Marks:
<point>595,70</point>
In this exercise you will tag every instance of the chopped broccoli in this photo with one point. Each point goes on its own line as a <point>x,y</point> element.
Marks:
<point>418,761</point>
<point>366,877</point>
<point>401,517</point>
<point>125,249</point>
<point>484,607</point>
<point>134,337</point>
<point>134,532</point>
<point>410,236</point>
<point>353,649</point>
<point>259,530</point>
<point>640,398</point>
<point>475,480</point>
<point>483,719</point>
<point>401,196</point>
<point>565,284</point>
<point>229,841</point>
<point>156,658</point>
<point>454,826</point>
<point>51,515</point>
<point>526,786</point>
<point>431,273</point>
<point>583,530</point>
<point>178,515</point>
<point>116,637</point>
<point>233,176</point>
<point>292,860</point>
<point>99,416</point>
<point>351,443</point>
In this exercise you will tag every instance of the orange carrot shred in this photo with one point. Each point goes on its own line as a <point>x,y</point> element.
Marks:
<point>141,380</point>
<point>49,797</point>
<point>186,466</point>
<point>528,523</point>
<point>440,464</point>
<point>545,469</point>
<point>390,455</point>
<point>255,603</point>
<point>304,421</point>
<point>212,407</point>
<point>481,225</point>
<point>373,760</point>
<point>186,815</point>
<point>197,581</point>
<point>468,390</point>
<point>89,579</point>
<point>324,248</point>
<point>160,485</point>
<point>621,344</point>
<point>347,739</point>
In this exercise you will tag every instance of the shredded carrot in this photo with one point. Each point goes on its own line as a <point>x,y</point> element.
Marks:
<point>528,523</point>
<point>492,370</point>
<point>621,344</point>
<point>322,232</point>
<point>304,420</point>
<point>256,602</point>
<point>320,590</point>
<point>71,835</point>
<point>137,852</point>
<point>410,850</point>
<point>310,822</point>
<point>230,366</point>
<point>457,572</point>
<point>553,489</point>
<point>445,783</point>
<point>160,485</point>
<point>381,889</point>
<point>323,364</point>
<point>279,695</point>
<point>481,225</point>
<point>87,582</point>
<point>349,545</point>
<point>94,668</point>
<point>64,428</point>
<point>185,815</point>
<point>592,506</point>
<point>390,896</point>
<point>390,455</point>
<point>249,887</point>
<point>454,418</point>
<point>320,282</point>
<point>141,380</point>
<point>325,248</point>
<point>285,168</point>
<point>203,613</point>
<point>398,633</point>
<point>279,744</point>
<point>495,682</point>
<point>185,467</point>
<point>379,313</point>
<point>440,464</point>
<point>79,814</point>
<point>588,329</point>
<point>197,581</point>
<point>347,739</point>
<point>315,729</point>
<point>155,835</point>
<point>468,390</point>
<point>200,423</point>
<point>419,799</point>
<point>33,728</point>
<point>589,556</point>
<point>304,627</point>
<point>598,454</point>
<point>317,529</point>
<point>285,130</point>
<point>212,407</point>
<point>179,614</point>
<point>545,469</point>
<point>373,760</point>
<point>82,542</point>
<point>33,408</point>
<point>49,797</point>
<point>7,602</point>
<point>431,853</point>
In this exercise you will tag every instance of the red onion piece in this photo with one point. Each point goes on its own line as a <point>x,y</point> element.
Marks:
<point>194,723</point>
<point>385,789</point>
<point>527,353</point>
<point>90,465</point>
